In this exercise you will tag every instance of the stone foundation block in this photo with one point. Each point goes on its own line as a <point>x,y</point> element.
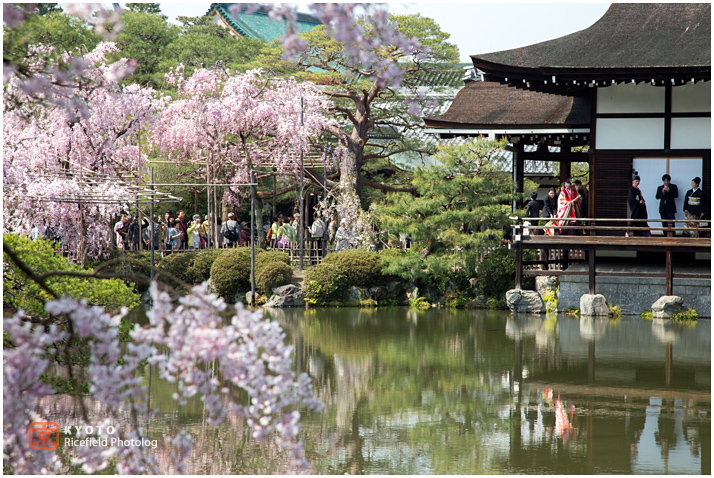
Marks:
<point>666,306</point>
<point>593,305</point>
<point>525,301</point>
<point>547,284</point>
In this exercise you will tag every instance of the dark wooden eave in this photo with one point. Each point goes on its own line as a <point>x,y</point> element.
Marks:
<point>506,111</point>
<point>662,44</point>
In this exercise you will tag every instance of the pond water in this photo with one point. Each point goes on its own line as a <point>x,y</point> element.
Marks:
<point>476,392</point>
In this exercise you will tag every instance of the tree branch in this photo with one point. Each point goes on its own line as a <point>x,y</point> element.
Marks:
<point>386,187</point>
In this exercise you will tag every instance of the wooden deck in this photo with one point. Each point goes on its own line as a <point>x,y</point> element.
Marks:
<point>591,238</point>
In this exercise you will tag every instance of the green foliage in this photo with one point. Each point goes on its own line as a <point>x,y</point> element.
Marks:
<point>419,303</point>
<point>20,292</point>
<point>462,207</point>
<point>150,8</point>
<point>177,264</point>
<point>134,266</point>
<point>191,267</point>
<point>457,299</point>
<point>144,37</point>
<point>647,314</point>
<point>462,203</point>
<point>615,311</point>
<point>65,32</point>
<point>230,272</point>
<point>271,275</point>
<point>324,283</point>
<point>551,300</point>
<point>203,43</point>
<point>267,257</point>
<point>685,315</point>
<point>360,267</point>
<point>496,274</point>
<point>200,269</point>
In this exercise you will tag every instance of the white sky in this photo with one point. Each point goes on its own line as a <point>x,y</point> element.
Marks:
<point>477,27</point>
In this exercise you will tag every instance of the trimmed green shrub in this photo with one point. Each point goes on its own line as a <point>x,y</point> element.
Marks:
<point>496,274</point>
<point>230,272</point>
<point>267,257</point>
<point>192,267</point>
<point>178,265</point>
<point>324,283</point>
<point>271,275</point>
<point>203,260</point>
<point>360,267</point>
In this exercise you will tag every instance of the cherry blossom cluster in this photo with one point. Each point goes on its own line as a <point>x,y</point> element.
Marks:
<point>45,145</point>
<point>232,122</point>
<point>359,225</point>
<point>250,354</point>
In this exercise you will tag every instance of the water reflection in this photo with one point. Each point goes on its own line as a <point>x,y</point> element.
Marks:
<point>463,392</point>
<point>467,392</point>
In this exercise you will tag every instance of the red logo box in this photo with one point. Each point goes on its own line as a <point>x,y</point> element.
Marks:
<point>44,435</point>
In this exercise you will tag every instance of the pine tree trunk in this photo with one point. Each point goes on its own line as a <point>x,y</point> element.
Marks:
<point>352,164</point>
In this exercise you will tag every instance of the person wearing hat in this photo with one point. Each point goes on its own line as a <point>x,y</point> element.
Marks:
<point>244,234</point>
<point>194,227</point>
<point>231,231</point>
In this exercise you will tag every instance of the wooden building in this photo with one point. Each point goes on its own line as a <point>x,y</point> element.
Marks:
<point>635,88</point>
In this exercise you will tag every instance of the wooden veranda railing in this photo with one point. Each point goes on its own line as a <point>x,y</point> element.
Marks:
<point>591,234</point>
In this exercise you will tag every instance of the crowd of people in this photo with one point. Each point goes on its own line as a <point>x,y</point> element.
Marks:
<point>176,233</point>
<point>564,208</point>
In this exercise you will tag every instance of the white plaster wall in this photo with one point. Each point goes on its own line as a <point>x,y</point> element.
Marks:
<point>629,98</point>
<point>692,97</point>
<point>691,133</point>
<point>629,133</point>
<point>650,170</point>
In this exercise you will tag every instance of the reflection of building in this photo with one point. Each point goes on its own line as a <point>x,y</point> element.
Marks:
<point>659,452</point>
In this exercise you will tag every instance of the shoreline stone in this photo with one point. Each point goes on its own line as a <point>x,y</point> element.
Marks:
<point>594,305</point>
<point>666,306</point>
<point>526,301</point>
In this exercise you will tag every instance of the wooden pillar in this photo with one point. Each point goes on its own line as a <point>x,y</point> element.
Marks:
<point>564,165</point>
<point>668,271</point>
<point>519,260</point>
<point>591,269</point>
<point>520,167</point>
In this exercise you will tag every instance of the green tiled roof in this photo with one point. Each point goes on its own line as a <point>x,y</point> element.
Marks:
<point>258,25</point>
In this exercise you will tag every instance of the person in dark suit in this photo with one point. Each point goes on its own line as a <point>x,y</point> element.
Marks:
<point>636,209</point>
<point>667,193</point>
